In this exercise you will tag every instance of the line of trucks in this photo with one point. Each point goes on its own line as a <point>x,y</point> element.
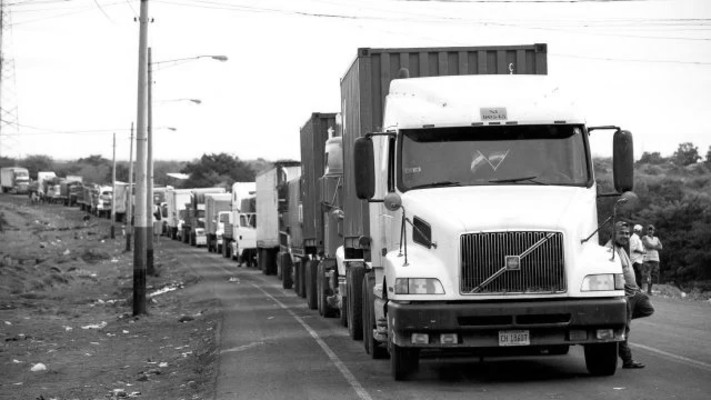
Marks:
<point>450,207</point>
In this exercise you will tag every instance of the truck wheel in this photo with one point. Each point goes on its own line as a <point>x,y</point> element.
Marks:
<point>354,281</point>
<point>286,280</point>
<point>403,361</point>
<point>601,359</point>
<point>297,277</point>
<point>310,282</point>
<point>279,266</point>
<point>344,311</point>
<point>376,350</point>
<point>322,289</point>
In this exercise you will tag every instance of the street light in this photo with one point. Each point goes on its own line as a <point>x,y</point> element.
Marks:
<point>149,164</point>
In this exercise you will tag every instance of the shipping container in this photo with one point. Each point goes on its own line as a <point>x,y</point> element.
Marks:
<point>366,83</point>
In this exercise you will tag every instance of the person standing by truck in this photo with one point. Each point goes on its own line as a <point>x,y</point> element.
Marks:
<point>638,304</point>
<point>651,258</point>
<point>637,253</point>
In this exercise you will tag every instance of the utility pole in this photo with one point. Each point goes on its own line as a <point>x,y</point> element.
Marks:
<point>141,230</point>
<point>129,207</point>
<point>113,191</point>
<point>149,170</point>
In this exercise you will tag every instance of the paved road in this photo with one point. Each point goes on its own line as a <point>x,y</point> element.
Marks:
<point>273,347</point>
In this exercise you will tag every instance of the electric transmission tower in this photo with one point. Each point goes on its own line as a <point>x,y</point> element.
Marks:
<point>8,99</point>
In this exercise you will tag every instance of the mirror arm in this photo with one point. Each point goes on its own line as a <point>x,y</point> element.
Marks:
<point>403,236</point>
<point>602,225</point>
<point>614,194</point>
<point>371,134</point>
<point>603,127</point>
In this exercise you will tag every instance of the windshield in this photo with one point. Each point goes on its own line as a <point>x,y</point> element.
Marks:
<point>493,155</point>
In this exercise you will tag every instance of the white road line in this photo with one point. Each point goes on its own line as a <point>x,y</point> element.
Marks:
<point>360,391</point>
<point>683,359</point>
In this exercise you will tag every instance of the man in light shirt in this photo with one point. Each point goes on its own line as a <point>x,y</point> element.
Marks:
<point>637,254</point>
<point>652,245</point>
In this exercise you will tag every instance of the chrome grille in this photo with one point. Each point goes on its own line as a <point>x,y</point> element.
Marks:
<point>484,254</point>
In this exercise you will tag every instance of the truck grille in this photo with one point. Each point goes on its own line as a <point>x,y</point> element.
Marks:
<point>541,270</point>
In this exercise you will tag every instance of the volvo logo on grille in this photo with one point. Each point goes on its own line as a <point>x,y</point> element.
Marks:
<point>513,263</point>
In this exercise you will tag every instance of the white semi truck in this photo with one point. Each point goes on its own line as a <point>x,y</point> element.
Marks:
<point>240,229</point>
<point>14,180</point>
<point>481,210</point>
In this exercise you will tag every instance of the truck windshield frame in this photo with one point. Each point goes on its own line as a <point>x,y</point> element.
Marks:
<point>555,154</point>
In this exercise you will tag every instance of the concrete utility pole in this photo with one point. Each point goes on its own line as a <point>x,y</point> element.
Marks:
<point>129,206</point>
<point>149,170</point>
<point>113,193</point>
<point>141,230</point>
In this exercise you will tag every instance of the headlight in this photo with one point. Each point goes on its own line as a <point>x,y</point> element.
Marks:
<point>603,282</point>
<point>418,286</point>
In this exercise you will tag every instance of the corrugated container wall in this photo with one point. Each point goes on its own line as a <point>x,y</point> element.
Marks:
<point>366,83</point>
<point>293,218</point>
<point>314,135</point>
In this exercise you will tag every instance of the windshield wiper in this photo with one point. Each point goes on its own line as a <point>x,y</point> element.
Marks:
<point>533,179</point>
<point>437,184</point>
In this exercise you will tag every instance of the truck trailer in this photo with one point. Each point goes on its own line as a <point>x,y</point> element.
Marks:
<point>14,180</point>
<point>269,207</point>
<point>195,214</point>
<point>469,204</point>
<point>215,204</point>
<point>175,200</point>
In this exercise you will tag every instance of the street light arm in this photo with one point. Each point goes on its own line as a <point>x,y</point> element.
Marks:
<point>220,58</point>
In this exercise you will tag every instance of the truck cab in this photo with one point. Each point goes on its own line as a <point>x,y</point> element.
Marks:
<point>481,196</point>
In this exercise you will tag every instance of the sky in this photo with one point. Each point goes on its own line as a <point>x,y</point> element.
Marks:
<point>643,65</point>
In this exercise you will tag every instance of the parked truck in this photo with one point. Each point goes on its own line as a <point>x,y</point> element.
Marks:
<point>480,205</point>
<point>123,193</point>
<point>14,180</point>
<point>240,225</point>
<point>303,249</point>
<point>69,189</point>
<point>269,207</point>
<point>195,214</point>
<point>101,198</point>
<point>175,200</point>
<point>215,203</point>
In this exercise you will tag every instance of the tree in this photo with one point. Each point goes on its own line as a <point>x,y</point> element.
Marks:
<point>708,156</point>
<point>217,170</point>
<point>686,154</point>
<point>36,163</point>
<point>652,158</point>
<point>95,160</point>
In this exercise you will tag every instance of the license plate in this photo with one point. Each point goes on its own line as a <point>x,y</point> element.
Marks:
<point>514,338</point>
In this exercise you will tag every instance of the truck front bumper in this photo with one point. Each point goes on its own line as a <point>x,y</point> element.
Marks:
<point>481,324</point>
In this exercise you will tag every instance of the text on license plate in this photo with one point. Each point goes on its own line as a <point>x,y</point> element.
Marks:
<point>514,338</point>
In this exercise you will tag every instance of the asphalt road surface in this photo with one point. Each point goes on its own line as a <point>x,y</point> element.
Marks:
<point>274,347</point>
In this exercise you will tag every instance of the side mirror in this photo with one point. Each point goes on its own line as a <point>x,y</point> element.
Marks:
<point>364,168</point>
<point>623,161</point>
<point>626,204</point>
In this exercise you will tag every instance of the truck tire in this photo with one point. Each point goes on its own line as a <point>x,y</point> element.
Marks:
<point>297,277</point>
<point>403,361</point>
<point>376,350</point>
<point>601,359</point>
<point>322,292</point>
<point>354,281</point>
<point>344,311</point>
<point>286,280</point>
<point>310,282</point>
<point>279,267</point>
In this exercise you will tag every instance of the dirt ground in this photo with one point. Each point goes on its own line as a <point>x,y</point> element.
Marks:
<point>66,324</point>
